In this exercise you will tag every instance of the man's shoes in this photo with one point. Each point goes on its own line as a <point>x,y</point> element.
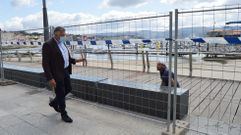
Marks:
<point>66,118</point>
<point>56,108</point>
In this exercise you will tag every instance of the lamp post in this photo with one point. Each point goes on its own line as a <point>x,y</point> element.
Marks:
<point>45,21</point>
<point>1,57</point>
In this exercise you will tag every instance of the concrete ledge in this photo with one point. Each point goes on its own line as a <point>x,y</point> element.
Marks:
<point>6,82</point>
<point>29,76</point>
<point>142,98</point>
<point>181,128</point>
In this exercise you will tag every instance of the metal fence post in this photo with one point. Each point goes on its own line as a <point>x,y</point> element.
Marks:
<point>136,47</point>
<point>19,56</point>
<point>83,56</point>
<point>51,33</point>
<point>30,56</point>
<point>1,51</point>
<point>8,56</point>
<point>147,62</point>
<point>175,72</point>
<point>111,60</point>
<point>143,61</point>
<point>190,64</point>
<point>170,74</point>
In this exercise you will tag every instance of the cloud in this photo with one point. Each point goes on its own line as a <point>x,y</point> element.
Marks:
<point>60,18</point>
<point>183,1</point>
<point>123,3</point>
<point>173,3</point>
<point>199,3</point>
<point>15,22</point>
<point>21,3</point>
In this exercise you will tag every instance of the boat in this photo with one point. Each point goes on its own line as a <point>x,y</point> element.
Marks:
<point>225,42</point>
<point>227,31</point>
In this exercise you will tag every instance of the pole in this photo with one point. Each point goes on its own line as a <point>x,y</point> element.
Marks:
<point>170,74</point>
<point>45,22</point>
<point>175,73</point>
<point>51,31</point>
<point>190,64</point>
<point>143,61</point>
<point>136,47</point>
<point>1,51</point>
<point>147,62</point>
<point>111,59</point>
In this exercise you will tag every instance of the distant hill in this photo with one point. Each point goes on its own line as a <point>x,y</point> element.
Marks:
<point>147,34</point>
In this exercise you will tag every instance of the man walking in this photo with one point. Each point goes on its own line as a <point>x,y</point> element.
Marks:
<point>57,65</point>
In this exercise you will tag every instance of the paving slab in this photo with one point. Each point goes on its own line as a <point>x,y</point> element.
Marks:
<point>24,110</point>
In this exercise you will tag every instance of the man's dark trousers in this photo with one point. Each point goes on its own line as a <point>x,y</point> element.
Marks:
<point>61,90</point>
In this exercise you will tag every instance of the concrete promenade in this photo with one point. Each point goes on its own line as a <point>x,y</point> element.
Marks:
<point>24,110</point>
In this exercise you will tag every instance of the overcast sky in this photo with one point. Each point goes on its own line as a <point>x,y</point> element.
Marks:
<point>25,14</point>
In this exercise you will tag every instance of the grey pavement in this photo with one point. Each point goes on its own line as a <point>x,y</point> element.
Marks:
<point>24,110</point>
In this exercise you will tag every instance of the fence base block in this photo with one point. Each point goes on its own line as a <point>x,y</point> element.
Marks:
<point>181,128</point>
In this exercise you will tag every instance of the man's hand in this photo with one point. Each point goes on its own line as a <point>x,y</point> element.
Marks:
<point>80,60</point>
<point>52,83</point>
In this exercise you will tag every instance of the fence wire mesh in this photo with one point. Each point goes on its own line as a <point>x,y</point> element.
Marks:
<point>121,61</point>
<point>124,51</point>
<point>121,64</point>
<point>214,78</point>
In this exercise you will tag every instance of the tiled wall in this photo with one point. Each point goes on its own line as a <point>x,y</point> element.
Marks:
<point>36,79</point>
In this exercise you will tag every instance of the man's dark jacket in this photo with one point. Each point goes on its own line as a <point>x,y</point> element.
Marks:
<point>53,61</point>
